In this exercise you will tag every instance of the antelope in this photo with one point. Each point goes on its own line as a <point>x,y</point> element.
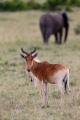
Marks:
<point>46,73</point>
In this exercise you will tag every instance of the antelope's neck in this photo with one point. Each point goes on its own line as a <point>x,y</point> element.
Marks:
<point>34,67</point>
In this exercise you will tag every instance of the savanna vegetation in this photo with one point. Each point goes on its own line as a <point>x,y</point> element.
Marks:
<point>15,5</point>
<point>19,100</point>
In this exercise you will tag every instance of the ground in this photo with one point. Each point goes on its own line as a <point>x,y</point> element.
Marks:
<point>19,100</point>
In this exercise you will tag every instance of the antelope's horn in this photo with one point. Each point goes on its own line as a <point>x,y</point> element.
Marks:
<point>33,51</point>
<point>23,51</point>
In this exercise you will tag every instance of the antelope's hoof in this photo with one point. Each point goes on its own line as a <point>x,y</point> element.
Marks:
<point>45,106</point>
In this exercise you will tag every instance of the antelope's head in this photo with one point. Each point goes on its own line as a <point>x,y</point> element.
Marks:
<point>29,57</point>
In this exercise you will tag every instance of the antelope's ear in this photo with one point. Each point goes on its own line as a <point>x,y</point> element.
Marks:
<point>35,55</point>
<point>23,56</point>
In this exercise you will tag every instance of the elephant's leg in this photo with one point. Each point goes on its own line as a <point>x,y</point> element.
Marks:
<point>60,36</point>
<point>56,38</point>
<point>46,37</point>
<point>43,32</point>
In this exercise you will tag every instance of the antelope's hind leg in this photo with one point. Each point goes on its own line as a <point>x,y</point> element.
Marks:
<point>67,88</point>
<point>60,89</point>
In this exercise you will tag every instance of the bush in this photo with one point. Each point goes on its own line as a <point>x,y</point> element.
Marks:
<point>33,5</point>
<point>78,3</point>
<point>15,5</point>
<point>53,3</point>
<point>66,3</point>
<point>12,6</point>
<point>18,5</point>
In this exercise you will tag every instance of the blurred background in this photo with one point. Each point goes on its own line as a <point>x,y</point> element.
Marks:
<point>13,5</point>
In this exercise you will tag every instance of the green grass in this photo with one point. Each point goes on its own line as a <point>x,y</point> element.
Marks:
<point>19,100</point>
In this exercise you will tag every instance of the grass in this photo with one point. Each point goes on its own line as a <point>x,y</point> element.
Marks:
<point>19,100</point>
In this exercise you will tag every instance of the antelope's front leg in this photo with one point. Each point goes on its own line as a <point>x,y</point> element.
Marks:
<point>45,95</point>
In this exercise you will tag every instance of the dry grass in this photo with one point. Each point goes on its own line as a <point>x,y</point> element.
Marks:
<point>19,100</point>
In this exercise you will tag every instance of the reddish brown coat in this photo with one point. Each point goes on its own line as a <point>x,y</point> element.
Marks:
<point>44,70</point>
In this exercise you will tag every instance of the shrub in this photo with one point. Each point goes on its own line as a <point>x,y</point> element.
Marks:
<point>12,6</point>
<point>18,5</point>
<point>53,3</point>
<point>33,5</point>
<point>15,5</point>
<point>65,3</point>
<point>78,3</point>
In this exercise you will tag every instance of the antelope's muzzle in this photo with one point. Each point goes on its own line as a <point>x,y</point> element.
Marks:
<point>28,70</point>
